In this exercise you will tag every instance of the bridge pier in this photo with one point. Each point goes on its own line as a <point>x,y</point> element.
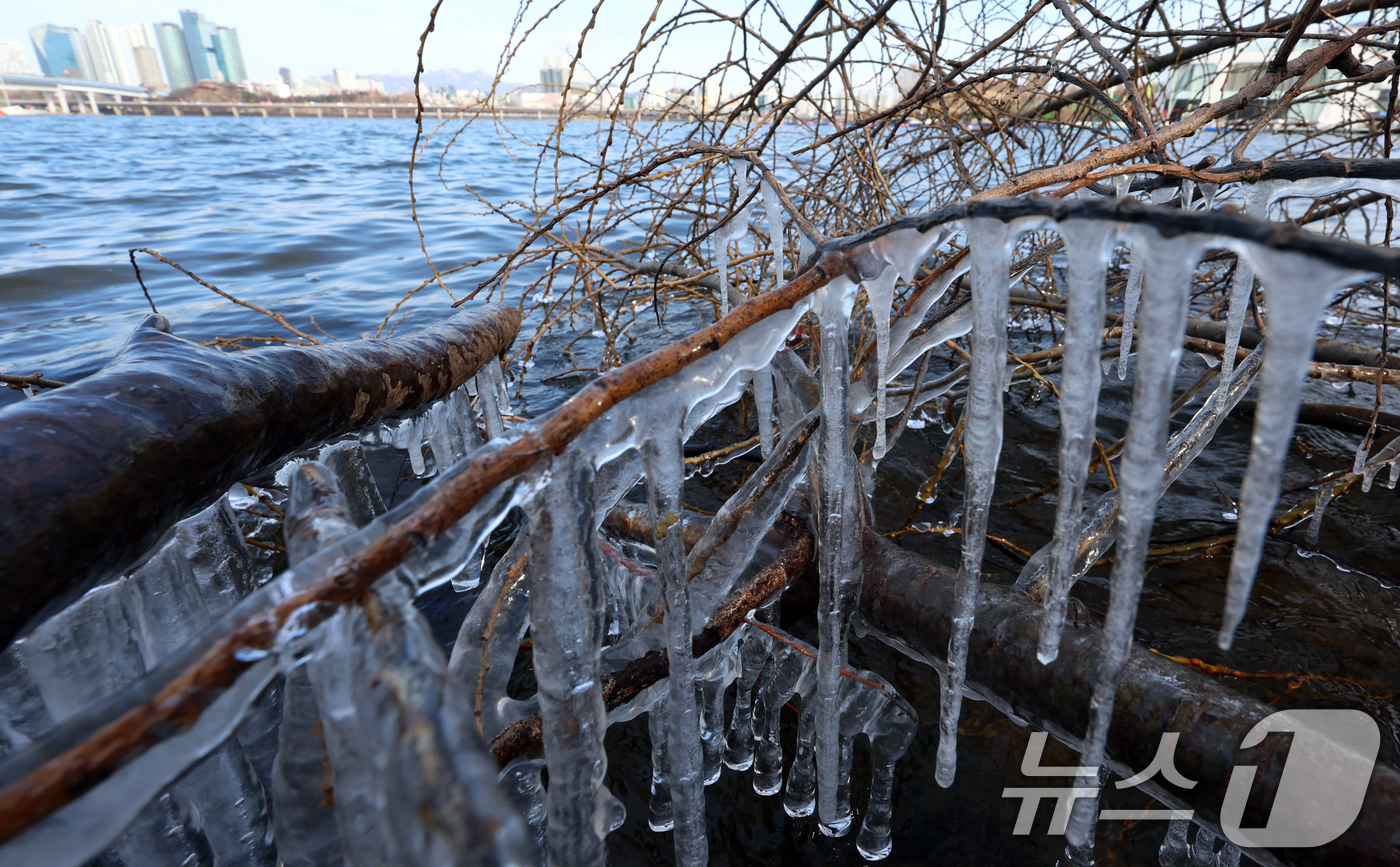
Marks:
<point>92,101</point>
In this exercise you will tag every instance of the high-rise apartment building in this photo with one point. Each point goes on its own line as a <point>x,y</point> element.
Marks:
<point>230,54</point>
<point>14,60</point>
<point>62,52</point>
<point>199,46</point>
<point>145,58</point>
<point>108,53</point>
<point>171,42</point>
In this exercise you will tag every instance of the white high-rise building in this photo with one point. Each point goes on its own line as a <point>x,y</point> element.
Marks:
<point>109,53</point>
<point>145,55</point>
<point>14,60</point>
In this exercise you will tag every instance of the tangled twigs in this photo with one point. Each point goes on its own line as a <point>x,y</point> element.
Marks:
<point>275,317</point>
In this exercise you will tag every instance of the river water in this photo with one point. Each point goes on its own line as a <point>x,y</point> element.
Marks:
<point>311,218</point>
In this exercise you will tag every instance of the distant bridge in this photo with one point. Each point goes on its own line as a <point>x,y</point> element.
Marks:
<point>56,92</point>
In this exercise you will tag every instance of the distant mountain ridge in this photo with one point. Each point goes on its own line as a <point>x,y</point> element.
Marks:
<point>399,82</point>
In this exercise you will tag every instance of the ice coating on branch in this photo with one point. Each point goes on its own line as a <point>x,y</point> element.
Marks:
<point>1137,260</point>
<point>773,211</point>
<point>489,640</point>
<point>1299,288</point>
<point>111,637</point>
<point>665,472</point>
<point>1164,307</point>
<point>839,509</point>
<point>1086,245</point>
<point>990,246</point>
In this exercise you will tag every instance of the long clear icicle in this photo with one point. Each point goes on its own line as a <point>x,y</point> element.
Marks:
<point>1299,288</point>
<point>838,541</point>
<point>1256,204</point>
<point>1164,306</point>
<point>763,406</point>
<point>1131,295</point>
<point>566,614</point>
<point>990,243</point>
<point>879,293</point>
<point>1086,246</point>
<point>773,210</point>
<point>732,231</point>
<point>665,471</point>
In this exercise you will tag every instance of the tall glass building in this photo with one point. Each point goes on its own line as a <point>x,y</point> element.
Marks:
<point>213,51</point>
<point>171,41</point>
<point>62,51</point>
<point>200,47</point>
<point>230,54</point>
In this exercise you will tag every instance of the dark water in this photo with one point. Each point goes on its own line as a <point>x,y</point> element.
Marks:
<point>311,217</point>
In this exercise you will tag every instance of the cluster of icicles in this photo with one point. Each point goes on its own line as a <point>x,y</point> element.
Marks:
<point>373,673</point>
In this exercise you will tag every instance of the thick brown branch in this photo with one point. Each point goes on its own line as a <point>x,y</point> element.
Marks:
<point>116,459</point>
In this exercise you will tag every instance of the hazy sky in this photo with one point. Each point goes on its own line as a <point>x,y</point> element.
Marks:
<point>365,36</point>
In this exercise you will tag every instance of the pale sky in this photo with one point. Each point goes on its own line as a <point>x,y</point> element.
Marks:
<point>365,36</point>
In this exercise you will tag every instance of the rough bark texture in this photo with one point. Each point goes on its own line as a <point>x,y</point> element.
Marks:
<point>908,599</point>
<point>96,471</point>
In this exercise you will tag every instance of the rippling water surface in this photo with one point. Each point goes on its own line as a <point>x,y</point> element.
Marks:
<point>305,216</point>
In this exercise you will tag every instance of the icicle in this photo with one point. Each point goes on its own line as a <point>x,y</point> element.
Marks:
<point>409,437</point>
<point>1393,476</point>
<point>1172,261</point>
<point>1256,204</point>
<point>497,377</point>
<point>520,780</point>
<point>1299,288</point>
<point>1121,185</point>
<point>839,531</point>
<point>800,796</point>
<point>1324,496</point>
<point>734,230</point>
<point>763,406</point>
<point>739,742</point>
<point>711,699</point>
<point>879,293</point>
<point>490,409</point>
<point>1188,195</point>
<point>661,816</point>
<point>773,210</point>
<point>1174,850</point>
<point>1136,263</point>
<point>1208,192</point>
<point>805,249</point>
<point>567,634</point>
<point>1086,244</point>
<point>665,474</point>
<point>1082,854</point>
<point>777,682</point>
<point>990,243</point>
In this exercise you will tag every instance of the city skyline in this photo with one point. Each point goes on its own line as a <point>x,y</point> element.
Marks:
<point>195,50</point>
<point>371,38</point>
